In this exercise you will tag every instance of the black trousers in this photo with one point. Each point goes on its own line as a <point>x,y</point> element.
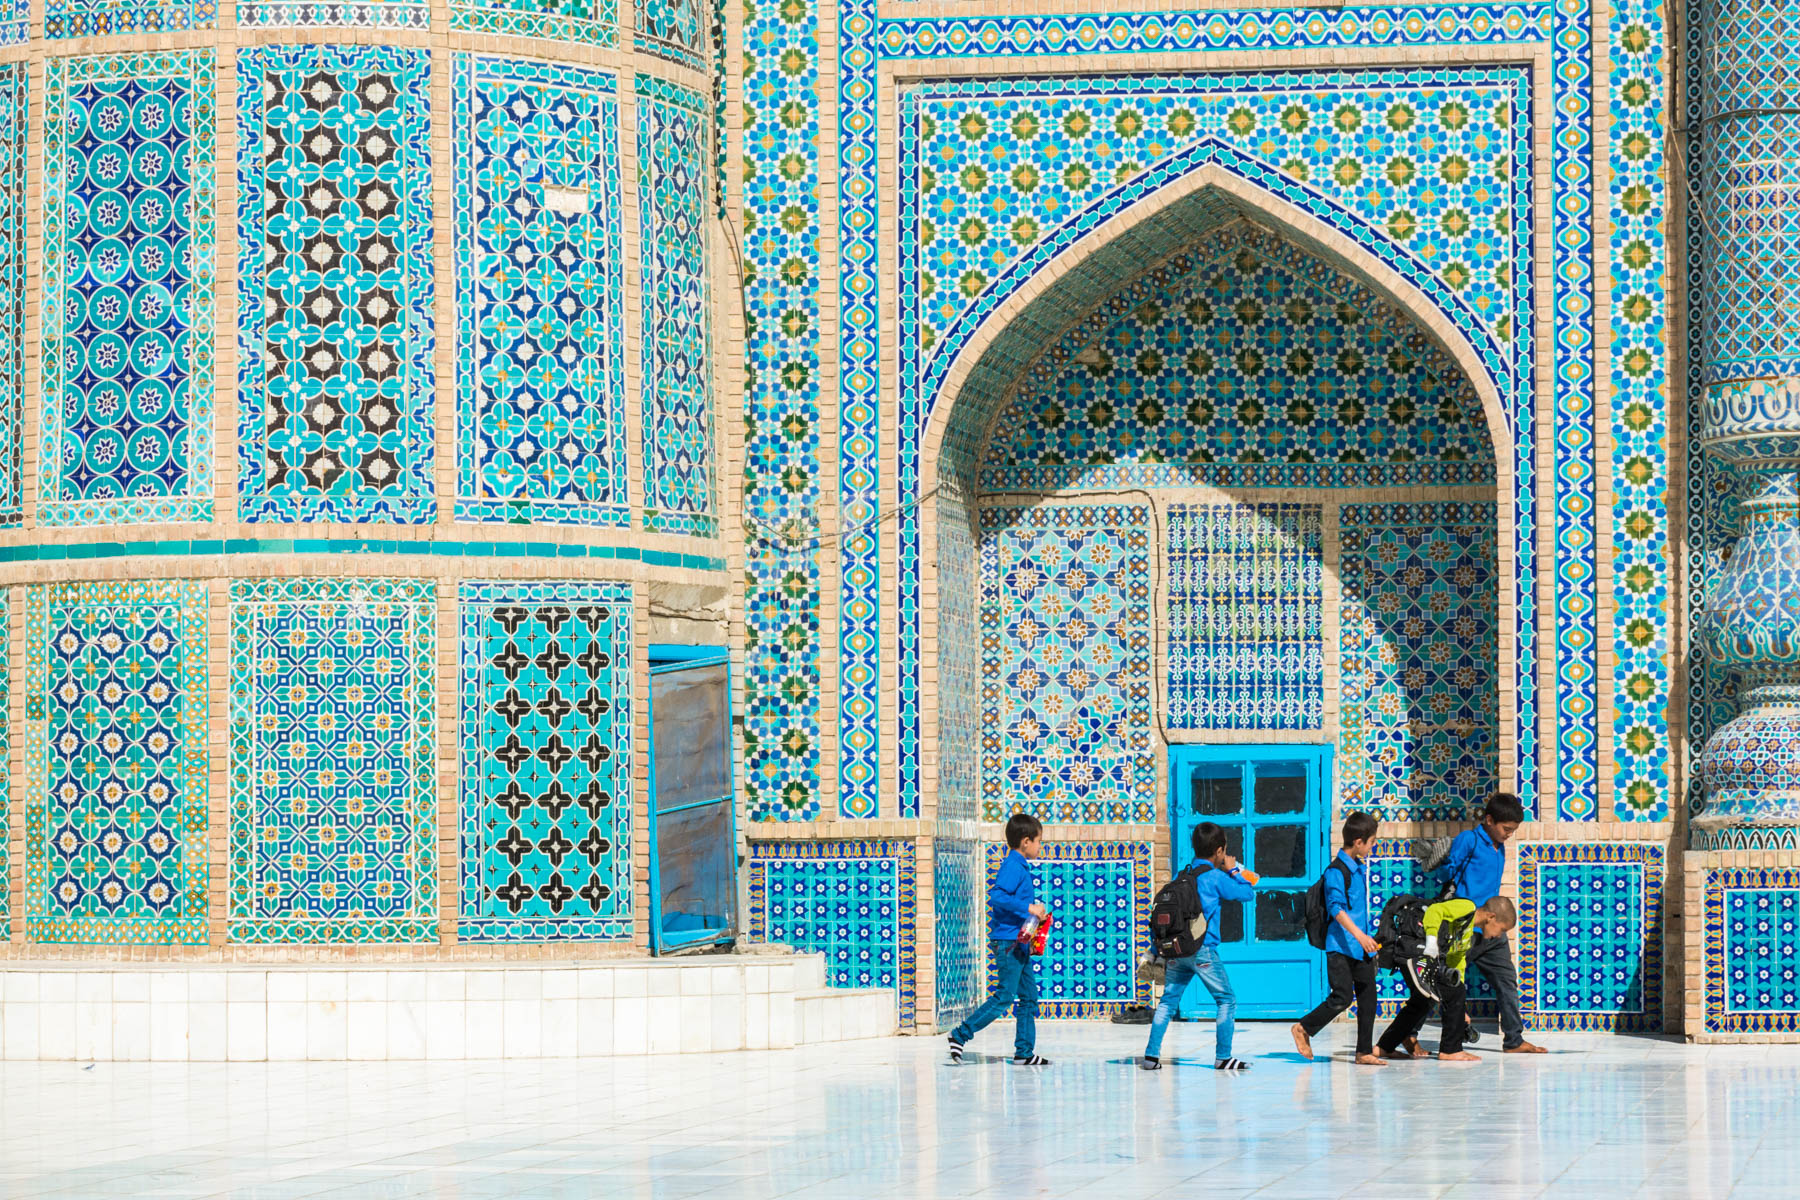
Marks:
<point>1351,979</point>
<point>1417,1008</point>
<point>1494,957</point>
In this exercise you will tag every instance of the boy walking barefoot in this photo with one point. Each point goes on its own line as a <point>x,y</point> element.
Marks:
<point>1476,862</point>
<point>1450,927</point>
<point>1349,950</point>
<point>1221,879</point>
<point>1011,900</point>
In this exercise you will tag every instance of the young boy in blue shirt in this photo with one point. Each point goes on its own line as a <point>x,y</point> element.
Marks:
<point>1476,862</point>
<point>1223,880</point>
<point>1349,950</point>
<point>1011,901</point>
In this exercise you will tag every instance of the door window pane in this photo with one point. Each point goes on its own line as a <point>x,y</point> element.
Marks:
<point>1280,851</point>
<point>1218,790</point>
<point>1280,788</point>
<point>1231,921</point>
<point>692,712</point>
<point>1280,916</point>
<point>695,858</point>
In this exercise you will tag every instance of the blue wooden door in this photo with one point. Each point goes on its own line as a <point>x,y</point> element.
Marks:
<point>1274,803</point>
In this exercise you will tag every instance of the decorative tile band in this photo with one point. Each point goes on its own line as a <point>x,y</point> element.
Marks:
<point>15,103</point>
<point>233,547</point>
<point>1751,923</point>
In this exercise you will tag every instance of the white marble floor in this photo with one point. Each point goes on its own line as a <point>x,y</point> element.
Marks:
<point>1600,1117</point>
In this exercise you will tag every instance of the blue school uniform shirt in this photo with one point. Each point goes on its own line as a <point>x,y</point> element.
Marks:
<point>1474,866</point>
<point>1346,895</point>
<point>1216,887</point>
<point>1010,898</point>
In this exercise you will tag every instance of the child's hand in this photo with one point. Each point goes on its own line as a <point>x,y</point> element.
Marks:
<point>1038,910</point>
<point>1228,862</point>
<point>1370,946</point>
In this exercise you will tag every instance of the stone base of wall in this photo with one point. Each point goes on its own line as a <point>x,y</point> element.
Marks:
<point>330,1012</point>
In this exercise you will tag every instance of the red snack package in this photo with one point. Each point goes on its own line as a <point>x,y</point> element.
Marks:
<point>1034,935</point>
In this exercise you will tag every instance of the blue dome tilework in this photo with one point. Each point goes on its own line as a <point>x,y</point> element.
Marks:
<point>116,762</point>
<point>1244,362</point>
<point>128,290</point>
<point>590,22</point>
<point>333,761</point>
<point>540,387</point>
<point>103,18</point>
<point>334,274</point>
<point>334,14</point>
<point>675,30</point>
<point>546,789</point>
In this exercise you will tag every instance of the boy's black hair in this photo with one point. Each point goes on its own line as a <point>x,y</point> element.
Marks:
<point>1359,825</point>
<point>1209,839</point>
<point>1020,826</point>
<point>1503,808</point>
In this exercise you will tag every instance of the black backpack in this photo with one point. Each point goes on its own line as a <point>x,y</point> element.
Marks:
<point>1177,922</point>
<point>1317,923</point>
<point>1401,930</point>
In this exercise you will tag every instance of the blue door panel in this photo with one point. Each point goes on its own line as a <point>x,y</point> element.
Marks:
<point>1274,803</point>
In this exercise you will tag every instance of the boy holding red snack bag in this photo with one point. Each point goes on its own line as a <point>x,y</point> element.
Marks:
<point>1218,878</point>
<point>1012,903</point>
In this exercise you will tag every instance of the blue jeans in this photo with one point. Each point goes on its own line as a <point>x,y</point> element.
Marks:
<point>1015,979</point>
<point>1206,965</point>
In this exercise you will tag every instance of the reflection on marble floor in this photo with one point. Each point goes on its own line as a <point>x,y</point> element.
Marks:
<point>1600,1117</point>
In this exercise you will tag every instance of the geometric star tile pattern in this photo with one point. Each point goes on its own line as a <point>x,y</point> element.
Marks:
<point>128,289</point>
<point>1243,361</point>
<point>333,760</point>
<point>1065,664</point>
<point>855,902</point>
<point>1419,726</point>
<point>540,383</point>
<point>1590,935</point>
<point>116,762</point>
<point>1245,617</point>
<point>98,18</point>
<point>546,762</point>
<point>1752,949</point>
<point>335,292</point>
<point>14,103</point>
<point>671,149</point>
<point>1099,895</point>
<point>675,30</point>
<point>587,22</point>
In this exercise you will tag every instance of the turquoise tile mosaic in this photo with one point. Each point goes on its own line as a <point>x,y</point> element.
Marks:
<point>1751,925</point>
<point>1639,375</point>
<point>1243,361</point>
<point>1099,893</point>
<point>15,104</point>
<point>540,371</point>
<point>1066,664</point>
<point>1246,617</point>
<point>116,763</point>
<point>546,794</point>
<point>334,284</point>
<point>334,14</point>
<point>333,761</point>
<point>111,18</point>
<point>591,22</point>
<point>15,22</point>
<point>781,418</point>
<point>854,901</point>
<point>1590,935</point>
<point>1418,709</point>
<point>676,349</point>
<point>127,428</point>
<point>675,30</point>
<point>1098,103</point>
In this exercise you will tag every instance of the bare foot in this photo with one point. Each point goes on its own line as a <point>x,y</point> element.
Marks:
<point>1302,1043</point>
<point>1370,1060</point>
<point>1413,1049</point>
<point>1526,1048</point>
<point>1459,1056</point>
<point>1393,1055</point>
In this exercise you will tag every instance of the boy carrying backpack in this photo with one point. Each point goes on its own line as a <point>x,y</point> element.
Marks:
<point>1437,975</point>
<point>1340,909</point>
<point>1185,931</point>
